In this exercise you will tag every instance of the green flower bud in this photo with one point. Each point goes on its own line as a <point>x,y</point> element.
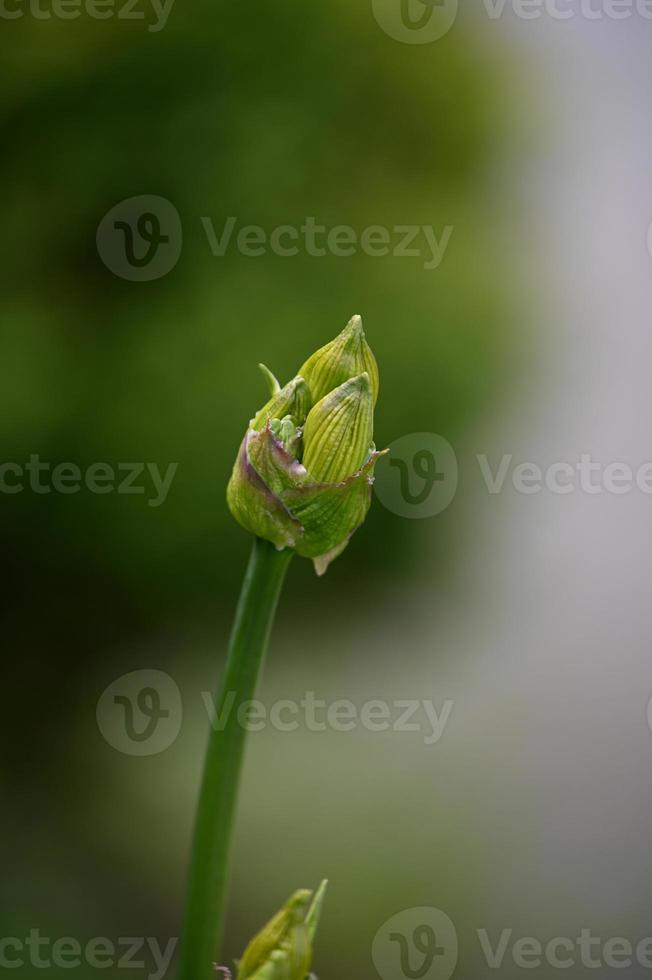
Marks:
<point>345,357</point>
<point>339,431</point>
<point>303,475</point>
<point>286,432</point>
<point>293,400</point>
<point>282,950</point>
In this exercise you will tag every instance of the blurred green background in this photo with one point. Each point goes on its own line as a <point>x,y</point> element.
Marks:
<point>270,114</point>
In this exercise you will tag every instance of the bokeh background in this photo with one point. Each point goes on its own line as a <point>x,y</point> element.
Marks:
<point>529,613</point>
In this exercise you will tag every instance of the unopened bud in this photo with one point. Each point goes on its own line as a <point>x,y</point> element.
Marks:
<point>304,472</point>
<point>339,431</point>
<point>293,400</point>
<point>345,357</point>
<point>282,950</point>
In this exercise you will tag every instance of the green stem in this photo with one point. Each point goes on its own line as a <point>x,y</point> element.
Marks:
<point>209,866</point>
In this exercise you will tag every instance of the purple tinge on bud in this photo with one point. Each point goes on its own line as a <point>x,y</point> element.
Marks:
<point>261,472</point>
<point>272,495</point>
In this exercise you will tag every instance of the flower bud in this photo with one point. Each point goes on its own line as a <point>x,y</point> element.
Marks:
<point>282,950</point>
<point>293,400</point>
<point>303,475</point>
<point>345,357</point>
<point>339,431</point>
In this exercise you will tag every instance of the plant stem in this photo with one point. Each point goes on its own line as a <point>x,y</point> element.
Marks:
<point>209,865</point>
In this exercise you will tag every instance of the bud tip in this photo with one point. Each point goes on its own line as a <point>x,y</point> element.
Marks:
<point>271,379</point>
